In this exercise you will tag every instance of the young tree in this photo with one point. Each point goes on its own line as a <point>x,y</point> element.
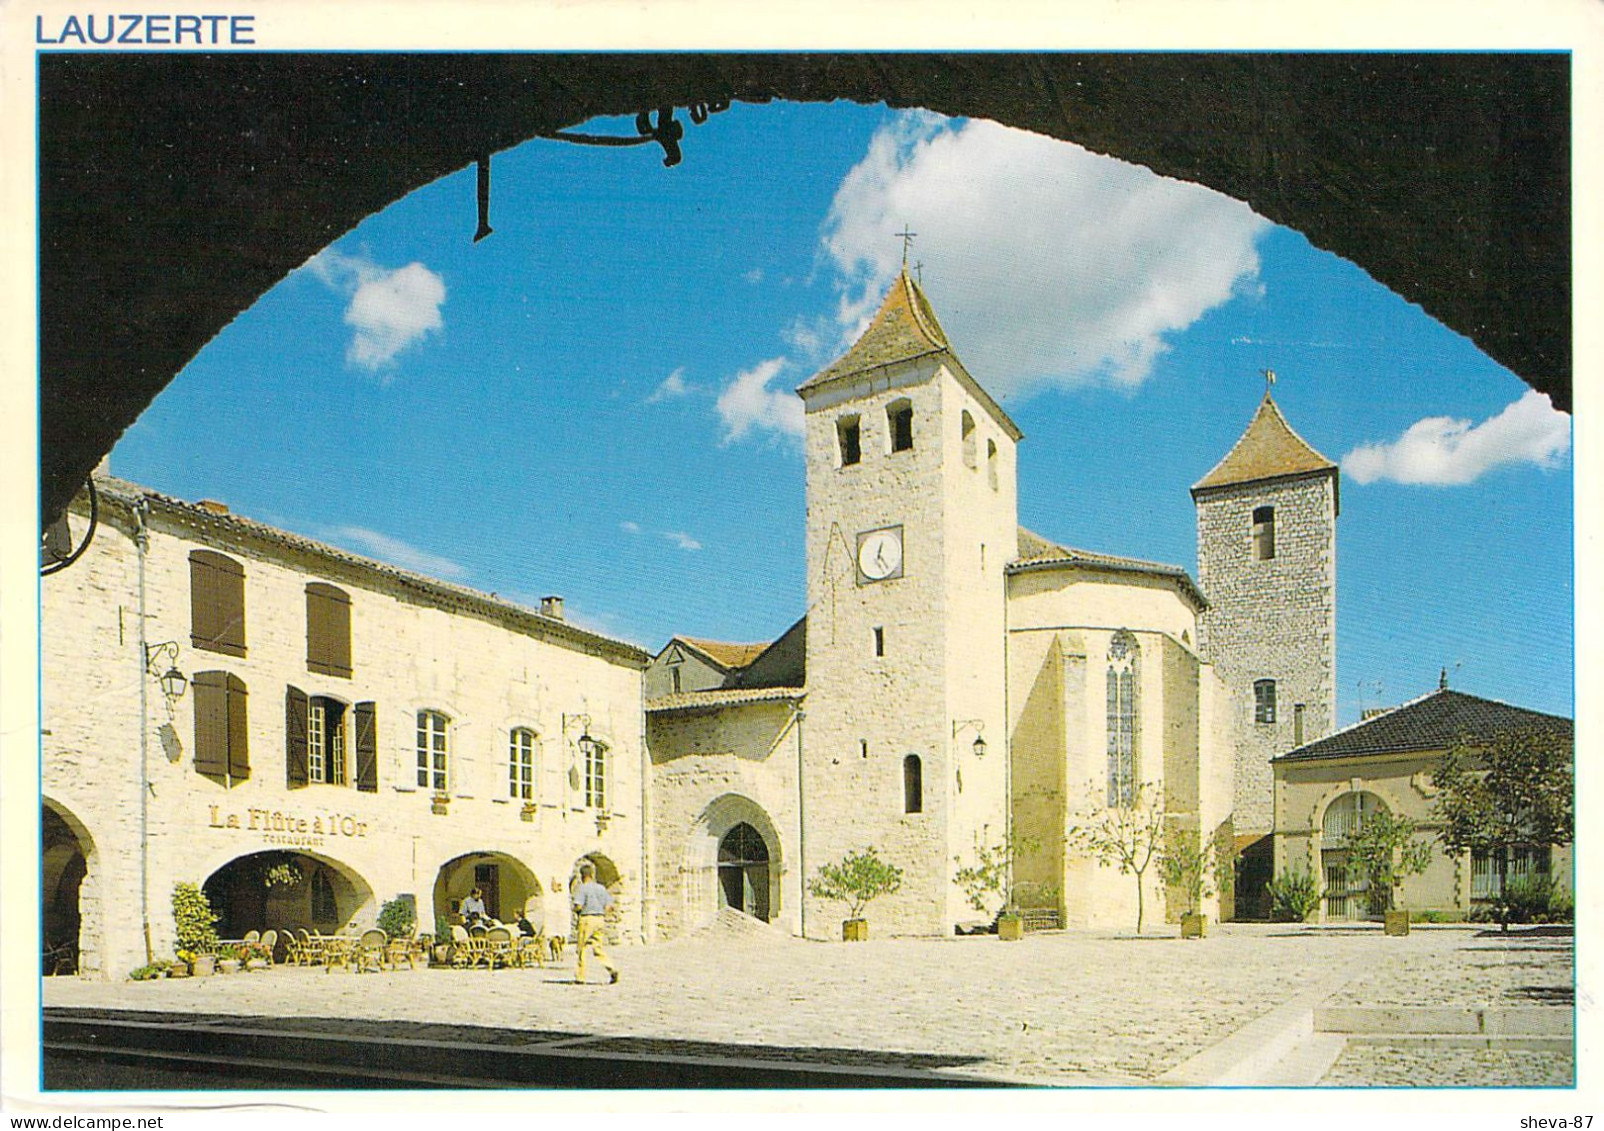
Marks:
<point>1384,850</point>
<point>858,878</point>
<point>1188,864</point>
<point>1125,837</point>
<point>989,881</point>
<point>1515,792</point>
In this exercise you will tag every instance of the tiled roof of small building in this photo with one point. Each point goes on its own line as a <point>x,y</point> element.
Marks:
<point>904,329</point>
<point>1036,552</point>
<point>1268,449</point>
<point>1436,721</point>
<point>725,654</point>
<point>217,522</point>
<point>722,697</point>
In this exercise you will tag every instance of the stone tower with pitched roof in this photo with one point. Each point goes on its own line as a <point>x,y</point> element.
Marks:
<point>912,519</point>
<point>1267,563</point>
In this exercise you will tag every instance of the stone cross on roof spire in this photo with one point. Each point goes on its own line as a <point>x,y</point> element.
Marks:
<point>1269,379</point>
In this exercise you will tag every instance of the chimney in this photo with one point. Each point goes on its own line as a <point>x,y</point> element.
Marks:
<point>552,607</point>
<point>212,506</point>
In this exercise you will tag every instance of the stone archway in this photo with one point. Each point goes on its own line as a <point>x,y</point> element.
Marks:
<point>510,888</point>
<point>608,876</point>
<point>71,927</point>
<point>734,858</point>
<point>286,891</point>
<point>743,871</point>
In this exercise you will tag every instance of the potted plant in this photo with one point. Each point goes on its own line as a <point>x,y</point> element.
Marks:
<point>855,880</point>
<point>442,940</point>
<point>229,959</point>
<point>196,926</point>
<point>989,885</point>
<point>1294,896</point>
<point>1187,865</point>
<point>254,956</point>
<point>440,804</point>
<point>1383,850</point>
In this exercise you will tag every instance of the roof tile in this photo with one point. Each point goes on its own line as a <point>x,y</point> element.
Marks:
<point>1268,449</point>
<point>1436,721</point>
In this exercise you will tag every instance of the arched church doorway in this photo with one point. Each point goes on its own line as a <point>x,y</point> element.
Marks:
<point>743,871</point>
<point>66,851</point>
<point>285,891</point>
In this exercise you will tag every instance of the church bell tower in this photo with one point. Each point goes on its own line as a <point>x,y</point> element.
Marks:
<point>912,517</point>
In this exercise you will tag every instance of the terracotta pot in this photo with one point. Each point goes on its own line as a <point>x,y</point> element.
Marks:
<point>1010,928</point>
<point>855,930</point>
<point>256,964</point>
<point>1395,922</point>
<point>204,966</point>
<point>1194,926</point>
<point>228,966</point>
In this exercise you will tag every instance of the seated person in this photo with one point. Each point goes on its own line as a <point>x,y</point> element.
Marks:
<point>525,927</point>
<point>473,909</point>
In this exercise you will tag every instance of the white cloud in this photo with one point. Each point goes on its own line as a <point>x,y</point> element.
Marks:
<point>748,403</point>
<point>1441,451</point>
<point>389,309</point>
<point>754,276</point>
<point>396,552</point>
<point>1048,265</point>
<point>629,527</point>
<point>673,386</point>
<point>682,540</point>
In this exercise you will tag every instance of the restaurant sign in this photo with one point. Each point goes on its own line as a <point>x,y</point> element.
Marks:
<point>290,829</point>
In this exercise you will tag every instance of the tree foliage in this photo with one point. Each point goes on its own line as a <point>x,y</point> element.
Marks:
<point>1129,838</point>
<point>194,921</point>
<point>988,882</point>
<point>1383,850</point>
<point>1515,792</point>
<point>397,918</point>
<point>1294,896</point>
<point>855,880</point>
<point>1187,863</point>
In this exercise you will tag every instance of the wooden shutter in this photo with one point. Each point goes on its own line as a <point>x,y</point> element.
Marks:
<point>216,603</point>
<point>239,761</point>
<point>211,723</point>
<point>367,748</point>
<point>295,708</point>
<point>328,630</point>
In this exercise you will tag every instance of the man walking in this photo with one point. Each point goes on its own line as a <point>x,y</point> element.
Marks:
<point>591,902</point>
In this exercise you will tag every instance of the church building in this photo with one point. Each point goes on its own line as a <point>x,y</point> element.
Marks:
<point>356,734</point>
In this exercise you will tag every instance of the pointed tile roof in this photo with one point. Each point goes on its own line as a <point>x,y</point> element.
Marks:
<point>1268,449</point>
<point>1432,722</point>
<point>904,329</point>
<point>725,654</point>
<point>1036,552</point>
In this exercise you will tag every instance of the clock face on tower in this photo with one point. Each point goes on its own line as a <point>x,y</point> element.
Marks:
<point>880,554</point>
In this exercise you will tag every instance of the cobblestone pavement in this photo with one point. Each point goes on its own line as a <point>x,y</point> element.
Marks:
<point>1057,1008</point>
<point>1381,1066</point>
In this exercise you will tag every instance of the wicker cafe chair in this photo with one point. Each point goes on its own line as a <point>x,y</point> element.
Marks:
<point>312,947</point>
<point>337,952</point>
<point>269,945</point>
<point>465,949</point>
<point>401,949</point>
<point>531,950</point>
<point>498,947</point>
<point>369,951</point>
<point>251,937</point>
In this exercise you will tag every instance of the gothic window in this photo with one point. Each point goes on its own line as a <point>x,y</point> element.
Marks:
<point>967,431</point>
<point>851,440</point>
<point>328,630</point>
<point>1264,700</point>
<point>432,751</point>
<point>216,603</point>
<point>913,785</point>
<point>991,463</point>
<point>899,419</point>
<point>222,748</point>
<point>596,775</point>
<point>1264,533</point>
<point>521,763</point>
<point>1123,656</point>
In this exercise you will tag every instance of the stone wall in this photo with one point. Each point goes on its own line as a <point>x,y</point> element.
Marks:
<point>1273,619</point>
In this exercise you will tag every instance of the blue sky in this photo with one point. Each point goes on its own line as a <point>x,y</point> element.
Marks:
<point>595,401</point>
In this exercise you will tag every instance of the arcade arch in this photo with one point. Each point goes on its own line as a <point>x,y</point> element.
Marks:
<point>287,891</point>
<point>70,919</point>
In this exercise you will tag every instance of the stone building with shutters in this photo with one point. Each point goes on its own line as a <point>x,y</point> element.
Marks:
<point>343,733</point>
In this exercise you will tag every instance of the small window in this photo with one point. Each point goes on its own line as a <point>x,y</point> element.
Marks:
<point>991,463</point>
<point>328,630</point>
<point>847,432</point>
<point>899,418</point>
<point>1297,724</point>
<point>1264,533</point>
<point>967,435</point>
<point>216,603</point>
<point>521,763</point>
<point>879,642</point>
<point>1264,700</point>
<point>913,785</point>
<point>863,747</point>
<point>222,747</point>
<point>673,673</point>
<point>596,775</point>
<point>432,751</point>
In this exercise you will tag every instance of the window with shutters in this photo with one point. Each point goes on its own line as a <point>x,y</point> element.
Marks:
<point>325,741</point>
<point>432,751</point>
<point>596,775</point>
<point>222,746</point>
<point>521,764</point>
<point>216,603</point>
<point>328,630</point>
<point>1123,659</point>
<point>1264,700</point>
